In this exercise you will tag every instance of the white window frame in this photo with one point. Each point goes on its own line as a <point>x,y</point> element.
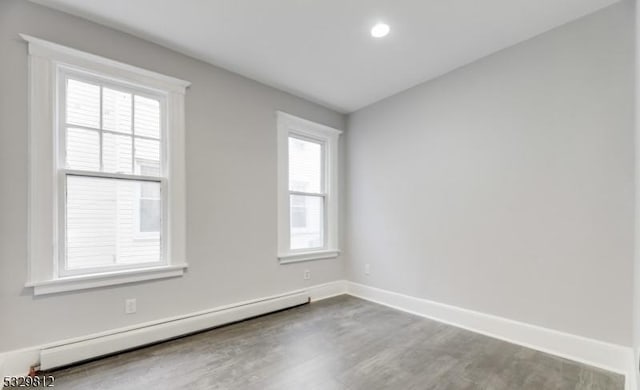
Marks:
<point>48,62</point>
<point>292,126</point>
<point>64,73</point>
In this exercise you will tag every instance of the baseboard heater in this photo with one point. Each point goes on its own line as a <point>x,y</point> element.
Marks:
<point>105,344</point>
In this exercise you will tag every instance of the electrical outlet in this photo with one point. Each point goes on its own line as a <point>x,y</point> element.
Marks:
<point>307,274</point>
<point>130,306</point>
<point>367,269</point>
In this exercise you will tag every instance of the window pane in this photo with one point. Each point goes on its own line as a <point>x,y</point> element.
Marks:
<point>150,190</point>
<point>116,111</point>
<point>150,207</point>
<point>305,166</point>
<point>149,215</point>
<point>83,104</point>
<point>147,157</point>
<point>117,153</point>
<point>102,224</point>
<point>147,117</point>
<point>307,222</point>
<point>83,149</point>
<point>298,212</point>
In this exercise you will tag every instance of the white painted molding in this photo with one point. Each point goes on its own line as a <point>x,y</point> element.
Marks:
<point>42,48</point>
<point>596,353</point>
<point>18,362</point>
<point>305,126</point>
<point>611,357</point>
<point>308,256</point>
<point>327,290</point>
<point>90,346</point>
<point>82,282</point>
<point>65,354</point>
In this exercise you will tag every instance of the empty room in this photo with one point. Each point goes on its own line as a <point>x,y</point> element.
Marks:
<point>319,194</point>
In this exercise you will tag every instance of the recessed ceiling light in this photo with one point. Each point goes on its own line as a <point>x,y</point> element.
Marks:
<point>380,30</point>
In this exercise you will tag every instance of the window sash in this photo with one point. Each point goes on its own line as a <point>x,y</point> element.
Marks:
<point>323,160</point>
<point>62,267</point>
<point>324,216</point>
<point>302,193</point>
<point>322,194</point>
<point>64,73</point>
<point>88,128</point>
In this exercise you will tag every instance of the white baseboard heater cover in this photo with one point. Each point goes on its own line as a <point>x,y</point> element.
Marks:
<point>105,344</point>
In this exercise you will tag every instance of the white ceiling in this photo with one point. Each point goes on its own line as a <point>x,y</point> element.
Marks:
<point>321,49</point>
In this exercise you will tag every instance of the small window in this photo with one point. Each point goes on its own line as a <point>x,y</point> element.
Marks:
<point>306,193</point>
<point>308,189</point>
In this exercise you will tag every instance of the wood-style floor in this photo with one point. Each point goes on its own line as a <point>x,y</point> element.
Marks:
<point>338,343</point>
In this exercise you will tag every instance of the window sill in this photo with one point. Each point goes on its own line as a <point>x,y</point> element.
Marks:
<point>308,256</point>
<point>84,282</point>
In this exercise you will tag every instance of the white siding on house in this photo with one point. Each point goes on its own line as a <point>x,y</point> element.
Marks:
<point>83,149</point>
<point>103,222</point>
<point>117,153</point>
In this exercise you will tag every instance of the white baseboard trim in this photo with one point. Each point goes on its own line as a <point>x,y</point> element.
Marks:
<point>18,362</point>
<point>596,353</point>
<point>70,353</point>
<point>327,290</point>
<point>78,349</point>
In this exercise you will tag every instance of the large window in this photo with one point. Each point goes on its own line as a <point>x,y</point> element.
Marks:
<point>106,173</point>
<point>308,189</point>
<point>112,139</point>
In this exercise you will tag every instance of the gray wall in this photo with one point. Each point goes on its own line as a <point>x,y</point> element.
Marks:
<point>504,187</point>
<point>636,284</point>
<point>231,184</point>
<point>507,186</point>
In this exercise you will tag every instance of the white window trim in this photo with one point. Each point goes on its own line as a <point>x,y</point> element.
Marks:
<point>43,219</point>
<point>295,126</point>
